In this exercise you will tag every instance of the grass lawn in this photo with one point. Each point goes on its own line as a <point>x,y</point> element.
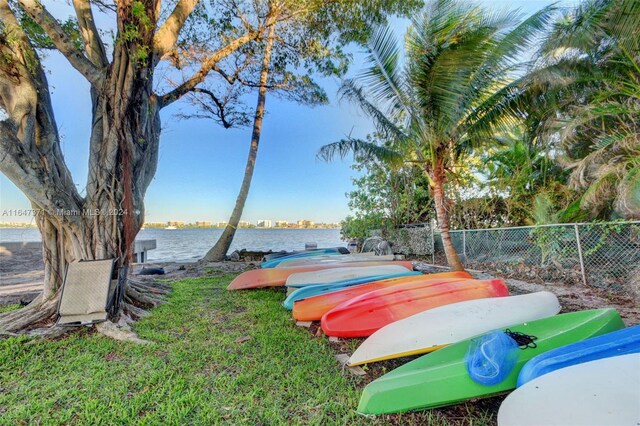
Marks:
<point>9,308</point>
<point>218,357</point>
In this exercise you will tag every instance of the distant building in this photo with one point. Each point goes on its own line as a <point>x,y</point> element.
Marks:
<point>281,223</point>
<point>243,224</point>
<point>221,224</point>
<point>176,223</point>
<point>204,224</point>
<point>264,223</point>
<point>305,223</point>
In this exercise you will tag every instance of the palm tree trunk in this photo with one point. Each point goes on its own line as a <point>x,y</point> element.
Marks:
<point>219,250</point>
<point>439,198</point>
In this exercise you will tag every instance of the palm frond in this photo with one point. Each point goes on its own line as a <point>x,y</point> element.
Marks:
<point>364,150</point>
<point>627,201</point>
<point>578,30</point>
<point>599,195</point>
<point>353,92</point>
<point>383,78</point>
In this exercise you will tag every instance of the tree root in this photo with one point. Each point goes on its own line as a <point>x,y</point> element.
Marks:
<point>132,311</point>
<point>150,284</point>
<point>135,297</point>
<point>39,312</point>
<point>36,312</point>
<point>50,332</point>
<point>120,331</point>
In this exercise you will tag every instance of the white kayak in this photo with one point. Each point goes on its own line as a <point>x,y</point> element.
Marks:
<point>326,276</point>
<point>343,258</point>
<point>429,330</point>
<point>605,392</point>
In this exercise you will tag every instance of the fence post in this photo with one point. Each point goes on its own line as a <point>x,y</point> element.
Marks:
<point>579,244</point>
<point>464,244</point>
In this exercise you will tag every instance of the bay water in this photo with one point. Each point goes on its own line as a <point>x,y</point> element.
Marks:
<point>191,244</point>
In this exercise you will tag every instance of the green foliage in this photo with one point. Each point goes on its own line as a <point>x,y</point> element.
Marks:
<point>518,171</point>
<point>37,35</point>
<point>136,31</point>
<point>359,227</point>
<point>592,102</point>
<point>385,198</point>
<point>563,137</point>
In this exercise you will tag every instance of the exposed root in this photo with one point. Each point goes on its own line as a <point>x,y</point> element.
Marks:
<point>120,331</point>
<point>36,312</point>
<point>50,332</point>
<point>133,296</point>
<point>133,311</point>
<point>146,293</point>
<point>155,285</point>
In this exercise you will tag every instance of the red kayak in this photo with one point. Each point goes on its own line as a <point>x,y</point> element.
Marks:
<point>363,315</point>
<point>275,277</point>
<point>313,308</point>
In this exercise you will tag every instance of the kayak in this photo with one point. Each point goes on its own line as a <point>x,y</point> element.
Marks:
<point>313,308</point>
<point>316,290</point>
<point>340,258</point>
<point>605,392</point>
<point>441,377</point>
<point>621,342</point>
<point>272,263</point>
<point>430,330</point>
<point>332,275</point>
<point>363,315</point>
<point>270,256</point>
<point>273,277</point>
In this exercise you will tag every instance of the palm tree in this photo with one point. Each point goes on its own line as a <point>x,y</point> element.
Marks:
<point>595,50</point>
<point>447,98</point>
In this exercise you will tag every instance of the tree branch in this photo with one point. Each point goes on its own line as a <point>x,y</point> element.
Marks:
<point>53,29</point>
<point>167,35</point>
<point>211,63</point>
<point>206,67</point>
<point>218,103</point>
<point>27,173</point>
<point>94,48</point>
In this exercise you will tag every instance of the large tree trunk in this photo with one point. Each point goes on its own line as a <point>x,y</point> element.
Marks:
<point>123,158</point>
<point>219,250</point>
<point>438,177</point>
<point>124,141</point>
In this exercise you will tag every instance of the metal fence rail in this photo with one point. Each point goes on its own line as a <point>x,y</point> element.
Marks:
<point>605,255</point>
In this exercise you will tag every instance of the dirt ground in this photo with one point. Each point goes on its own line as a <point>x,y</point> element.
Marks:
<point>22,272</point>
<point>21,275</point>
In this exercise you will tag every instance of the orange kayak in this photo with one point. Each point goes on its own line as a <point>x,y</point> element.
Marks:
<point>365,314</point>
<point>275,277</point>
<point>313,308</point>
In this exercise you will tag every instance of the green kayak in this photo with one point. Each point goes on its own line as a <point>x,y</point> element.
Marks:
<point>441,378</point>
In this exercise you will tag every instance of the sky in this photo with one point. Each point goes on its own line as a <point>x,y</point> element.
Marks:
<point>201,164</point>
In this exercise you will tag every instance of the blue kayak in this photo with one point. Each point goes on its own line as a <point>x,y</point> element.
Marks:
<point>621,342</point>
<point>316,290</point>
<point>319,252</point>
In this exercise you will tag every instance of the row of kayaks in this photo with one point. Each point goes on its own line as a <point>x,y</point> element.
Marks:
<point>475,339</point>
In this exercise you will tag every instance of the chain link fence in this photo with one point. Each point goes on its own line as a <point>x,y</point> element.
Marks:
<point>604,255</point>
<point>414,239</point>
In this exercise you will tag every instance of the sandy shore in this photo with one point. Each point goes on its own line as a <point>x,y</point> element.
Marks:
<point>22,271</point>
